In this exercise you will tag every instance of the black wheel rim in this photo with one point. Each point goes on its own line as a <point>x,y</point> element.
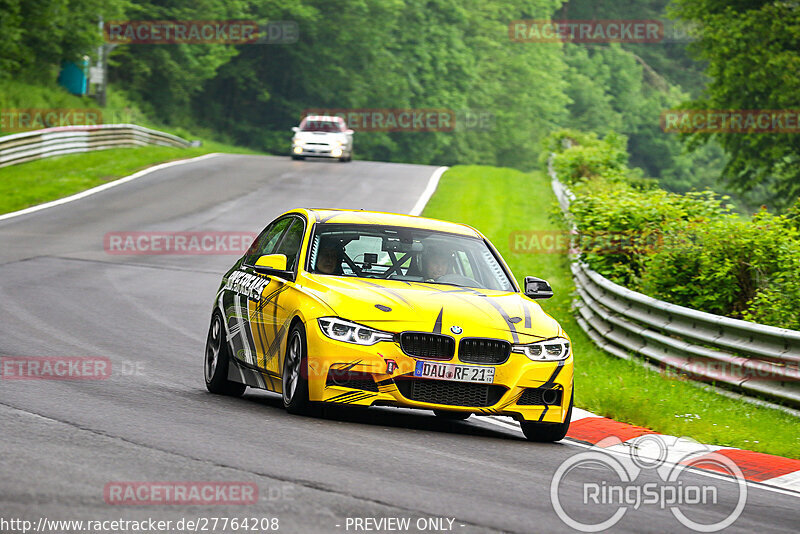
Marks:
<point>291,369</point>
<point>213,347</point>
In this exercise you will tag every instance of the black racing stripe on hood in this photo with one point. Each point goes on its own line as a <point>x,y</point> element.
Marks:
<point>496,306</point>
<point>437,326</point>
<point>391,292</point>
<point>454,293</point>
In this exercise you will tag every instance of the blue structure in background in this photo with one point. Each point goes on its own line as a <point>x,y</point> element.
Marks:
<point>73,77</point>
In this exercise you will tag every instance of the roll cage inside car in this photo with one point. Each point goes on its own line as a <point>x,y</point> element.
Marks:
<point>397,256</point>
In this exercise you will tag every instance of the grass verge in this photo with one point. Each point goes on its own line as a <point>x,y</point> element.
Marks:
<point>499,201</point>
<point>35,182</point>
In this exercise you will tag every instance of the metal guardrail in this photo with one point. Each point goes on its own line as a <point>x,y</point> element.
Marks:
<point>750,357</point>
<point>29,146</point>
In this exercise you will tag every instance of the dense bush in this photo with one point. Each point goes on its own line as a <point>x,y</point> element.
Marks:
<point>730,266</point>
<point>686,249</point>
<point>621,227</point>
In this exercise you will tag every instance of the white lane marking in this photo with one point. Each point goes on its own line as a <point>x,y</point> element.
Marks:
<point>433,183</point>
<point>103,187</point>
<point>677,449</point>
<point>783,484</point>
<point>578,413</point>
<point>789,481</point>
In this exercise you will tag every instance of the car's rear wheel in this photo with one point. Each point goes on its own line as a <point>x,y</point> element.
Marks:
<point>452,416</point>
<point>547,432</point>
<point>295,373</point>
<point>217,361</point>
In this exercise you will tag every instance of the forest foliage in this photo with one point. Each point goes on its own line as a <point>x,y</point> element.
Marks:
<point>454,55</point>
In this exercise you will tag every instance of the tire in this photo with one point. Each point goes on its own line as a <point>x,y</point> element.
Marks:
<point>452,416</point>
<point>294,376</point>
<point>297,157</point>
<point>547,432</point>
<point>217,359</point>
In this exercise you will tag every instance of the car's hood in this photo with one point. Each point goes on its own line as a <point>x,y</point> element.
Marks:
<point>321,137</point>
<point>397,306</point>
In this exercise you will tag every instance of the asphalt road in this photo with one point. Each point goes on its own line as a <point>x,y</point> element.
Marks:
<point>62,442</point>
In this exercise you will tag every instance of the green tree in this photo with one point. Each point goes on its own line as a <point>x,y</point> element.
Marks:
<point>753,53</point>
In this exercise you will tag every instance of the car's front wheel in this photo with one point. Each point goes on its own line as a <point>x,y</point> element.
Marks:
<point>295,373</point>
<point>547,432</point>
<point>217,360</point>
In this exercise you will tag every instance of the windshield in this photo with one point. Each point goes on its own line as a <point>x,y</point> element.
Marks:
<point>313,125</point>
<point>407,254</point>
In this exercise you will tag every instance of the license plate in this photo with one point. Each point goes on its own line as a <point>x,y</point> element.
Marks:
<point>458,373</point>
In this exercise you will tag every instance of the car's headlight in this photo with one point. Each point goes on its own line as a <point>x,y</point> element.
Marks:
<point>552,349</point>
<point>342,330</point>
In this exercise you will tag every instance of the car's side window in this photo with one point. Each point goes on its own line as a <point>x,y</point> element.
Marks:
<point>266,242</point>
<point>290,244</point>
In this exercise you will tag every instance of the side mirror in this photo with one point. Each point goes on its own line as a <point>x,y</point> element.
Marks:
<point>273,264</point>
<point>295,129</point>
<point>536,288</point>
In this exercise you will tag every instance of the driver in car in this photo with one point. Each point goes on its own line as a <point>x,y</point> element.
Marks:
<point>435,263</point>
<point>329,257</point>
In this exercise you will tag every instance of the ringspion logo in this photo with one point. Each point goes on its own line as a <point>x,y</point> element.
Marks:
<point>615,477</point>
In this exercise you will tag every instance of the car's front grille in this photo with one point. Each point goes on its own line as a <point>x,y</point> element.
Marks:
<point>450,393</point>
<point>537,397</point>
<point>351,379</point>
<point>427,345</point>
<point>486,351</point>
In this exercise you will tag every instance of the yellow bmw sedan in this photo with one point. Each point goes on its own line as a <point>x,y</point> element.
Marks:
<point>380,309</point>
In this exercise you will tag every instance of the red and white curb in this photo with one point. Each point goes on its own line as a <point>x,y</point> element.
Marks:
<point>615,437</point>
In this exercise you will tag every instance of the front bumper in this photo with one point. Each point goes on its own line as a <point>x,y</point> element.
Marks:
<point>517,386</point>
<point>319,151</point>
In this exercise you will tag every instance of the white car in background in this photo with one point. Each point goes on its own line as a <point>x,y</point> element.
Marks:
<point>322,136</point>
